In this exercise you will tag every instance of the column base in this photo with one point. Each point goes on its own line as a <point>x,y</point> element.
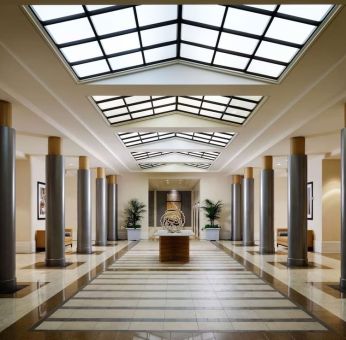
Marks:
<point>56,262</point>
<point>100,243</point>
<point>297,262</point>
<point>343,285</point>
<point>84,251</point>
<point>8,286</point>
<point>266,251</point>
<point>249,243</point>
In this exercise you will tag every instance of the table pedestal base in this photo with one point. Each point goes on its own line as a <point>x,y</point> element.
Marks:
<point>173,248</point>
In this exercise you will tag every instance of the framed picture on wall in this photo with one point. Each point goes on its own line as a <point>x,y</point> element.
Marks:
<point>310,201</point>
<point>41,201</point>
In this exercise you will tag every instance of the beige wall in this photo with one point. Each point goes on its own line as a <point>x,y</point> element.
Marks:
<point>28,172</point>
<point>23,204</point>
<point>331,200</point>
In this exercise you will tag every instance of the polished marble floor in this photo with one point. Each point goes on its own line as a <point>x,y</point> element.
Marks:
<point>225,292</point>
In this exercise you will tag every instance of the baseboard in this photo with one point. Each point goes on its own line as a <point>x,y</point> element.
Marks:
<point>326,246</point>
<point>25,247</point>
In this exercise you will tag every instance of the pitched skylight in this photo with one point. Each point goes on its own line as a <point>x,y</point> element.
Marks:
<point>218,139</point>
<point>145,166</point>
<point>138,156</point>
<point>121,109</point>
<point>101,40</point>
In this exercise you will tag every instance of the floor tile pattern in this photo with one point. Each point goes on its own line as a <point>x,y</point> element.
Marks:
<point>212,292</point>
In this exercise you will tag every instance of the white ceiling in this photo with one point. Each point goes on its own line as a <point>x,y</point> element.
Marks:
<point>47,101</point>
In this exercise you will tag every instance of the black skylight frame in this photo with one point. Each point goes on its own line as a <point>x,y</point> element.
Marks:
<point>145,166</point>
<point>230,109</point>
<point>181,21</point>
<point>215,139</point>
<point>209,155</point>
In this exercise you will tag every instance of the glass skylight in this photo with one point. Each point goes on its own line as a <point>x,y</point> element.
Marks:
<point>218,139</point>
<point>259,40</point>
<point>145,166</point>
<point>138,156</point>
<point>234,109</point>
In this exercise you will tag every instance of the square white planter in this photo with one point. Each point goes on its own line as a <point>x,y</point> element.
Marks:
<point>212,234</point>
<point>133,234</point>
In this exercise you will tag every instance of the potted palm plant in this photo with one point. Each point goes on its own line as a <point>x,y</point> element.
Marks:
<point>134,213</point>
<point>212,212</point>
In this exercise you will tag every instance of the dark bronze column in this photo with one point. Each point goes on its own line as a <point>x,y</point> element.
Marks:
<point>7,200</point>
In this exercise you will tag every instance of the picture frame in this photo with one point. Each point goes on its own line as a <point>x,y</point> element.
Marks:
<point>310,201</point>
<point>41,200</point>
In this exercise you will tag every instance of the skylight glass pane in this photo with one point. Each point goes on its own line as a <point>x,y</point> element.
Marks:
<point>237,112</point>
<point>213,106</point>
<point>276,51</point>
<point>230,60</point>
<point>217,99</point>
<point>231,119</point>
<point>242,103</point>
<point>245,21</point>
<point>152,14</point>
<point>210,114</point>
<point>164,101</point>
<point>206,14</point>
<point>138,107</point>
<point>48,12</point>
<point>291,31</point>
<point>96,7</point>
<point>196,53</point>
<point>199,35</point>
<point>189,101</point>
<point>188,109</point>
<point>237,43</point>
<point>268,69</point>
<point>136,99</point>
<point>120,119</point>
<point>70,30</point>
<point>265,7</point>
<point>121,43</point>
<point>82,51</point>
<point>255,98</point>
<point>160,53</point>
<point>165,109</point>
<point>92,68</point>
<point>112,103</point>
<point>115,112</point>
<point>128,60</point>
<point>116,21</point>
<point>144,114</point>
<point>312,12</point>
<point>159,35</point>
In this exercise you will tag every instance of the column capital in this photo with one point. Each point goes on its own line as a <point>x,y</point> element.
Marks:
<point>54,145</point>
<point>236,179</point>
<point>267,162</point>
<point>83,163</point>
<point>100,172</point>
<point>5,113</point>
<point>112,179</point>
<point>248,172</point>
<point>297,145</point>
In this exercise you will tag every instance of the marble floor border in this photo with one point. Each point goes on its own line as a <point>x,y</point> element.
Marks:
<point>325,317</point>
<point>22,328</point>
